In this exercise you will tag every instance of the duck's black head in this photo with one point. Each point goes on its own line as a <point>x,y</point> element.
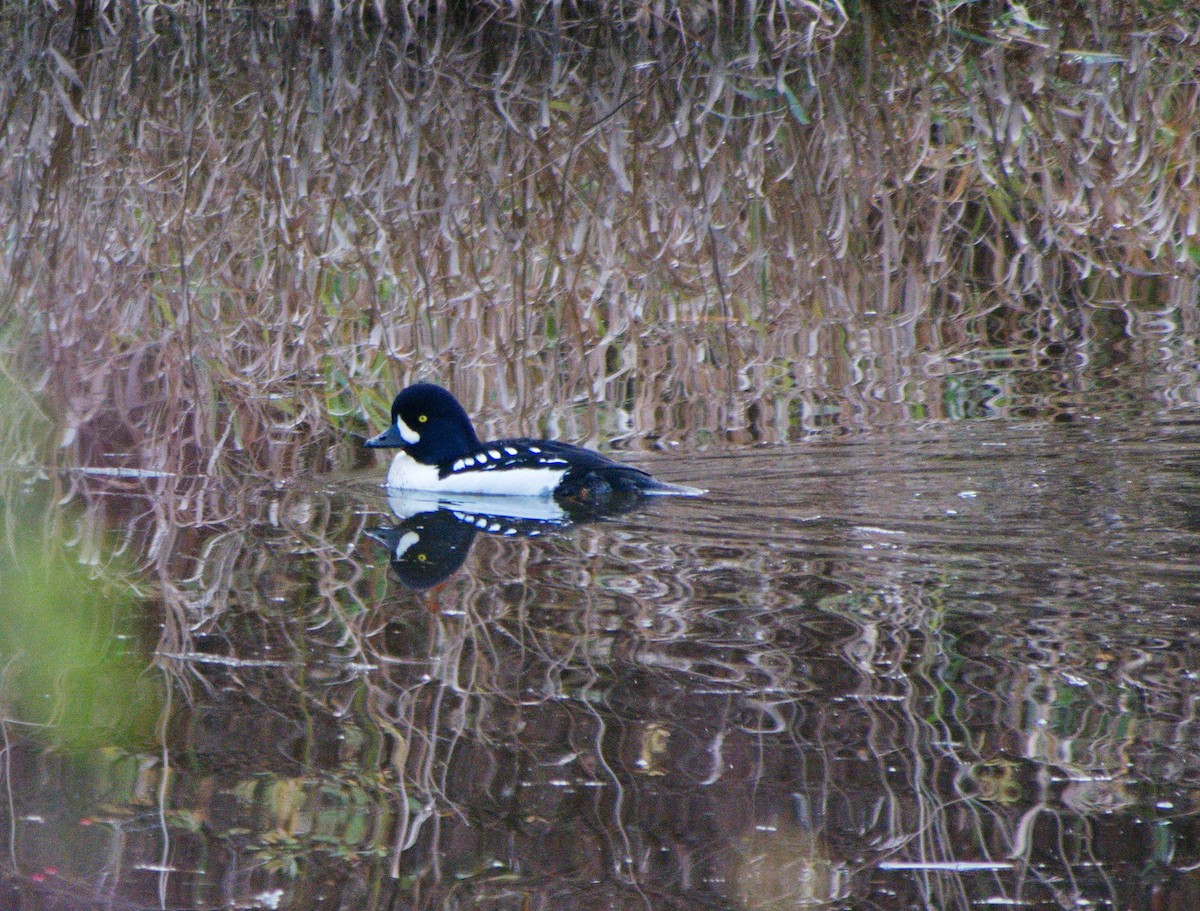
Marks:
<point>428,424</point>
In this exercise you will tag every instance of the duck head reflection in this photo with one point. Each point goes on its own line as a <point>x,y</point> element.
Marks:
<point>435,531</point>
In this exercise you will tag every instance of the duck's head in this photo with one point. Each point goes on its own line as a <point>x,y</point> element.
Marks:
<point>429,425</point>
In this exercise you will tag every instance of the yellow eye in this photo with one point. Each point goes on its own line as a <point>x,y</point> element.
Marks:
<point>422,419</point>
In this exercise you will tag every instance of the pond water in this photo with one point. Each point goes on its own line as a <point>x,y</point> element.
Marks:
<point>947,667</point>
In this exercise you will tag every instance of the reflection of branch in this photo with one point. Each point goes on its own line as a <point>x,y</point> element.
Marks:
<point>225,660</point>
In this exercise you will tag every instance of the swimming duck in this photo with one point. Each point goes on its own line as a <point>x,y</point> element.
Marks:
<point>440,452</point>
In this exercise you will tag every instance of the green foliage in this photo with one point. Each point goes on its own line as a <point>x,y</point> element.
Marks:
<point>70,670</point>
<point>25,430</point>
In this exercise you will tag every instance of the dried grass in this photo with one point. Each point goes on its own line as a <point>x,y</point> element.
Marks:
<point>233,232</point>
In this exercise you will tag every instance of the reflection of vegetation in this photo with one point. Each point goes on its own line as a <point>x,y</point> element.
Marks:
<point>26,429</point>
<point>634,705</point>
<point>343,815</point>
<point>70,669</point>
<point>753,224</point>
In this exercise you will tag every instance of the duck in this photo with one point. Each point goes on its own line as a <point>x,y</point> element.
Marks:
<point>441,453</point>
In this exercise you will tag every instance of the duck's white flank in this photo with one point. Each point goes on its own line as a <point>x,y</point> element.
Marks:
<point>407,473</point>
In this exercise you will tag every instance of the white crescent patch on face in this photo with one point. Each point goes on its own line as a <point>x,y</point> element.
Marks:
<point>407,434</point>
<point>406,541</point>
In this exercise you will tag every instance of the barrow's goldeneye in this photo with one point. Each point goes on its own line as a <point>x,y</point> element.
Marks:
<point>440,452</point>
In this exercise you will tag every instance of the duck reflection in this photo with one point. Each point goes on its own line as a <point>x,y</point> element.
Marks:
<point>436,531</point>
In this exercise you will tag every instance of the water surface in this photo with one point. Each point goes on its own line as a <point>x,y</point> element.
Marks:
<point>951,667</point>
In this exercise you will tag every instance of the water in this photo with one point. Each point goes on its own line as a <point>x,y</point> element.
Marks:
<point>951,667</point>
